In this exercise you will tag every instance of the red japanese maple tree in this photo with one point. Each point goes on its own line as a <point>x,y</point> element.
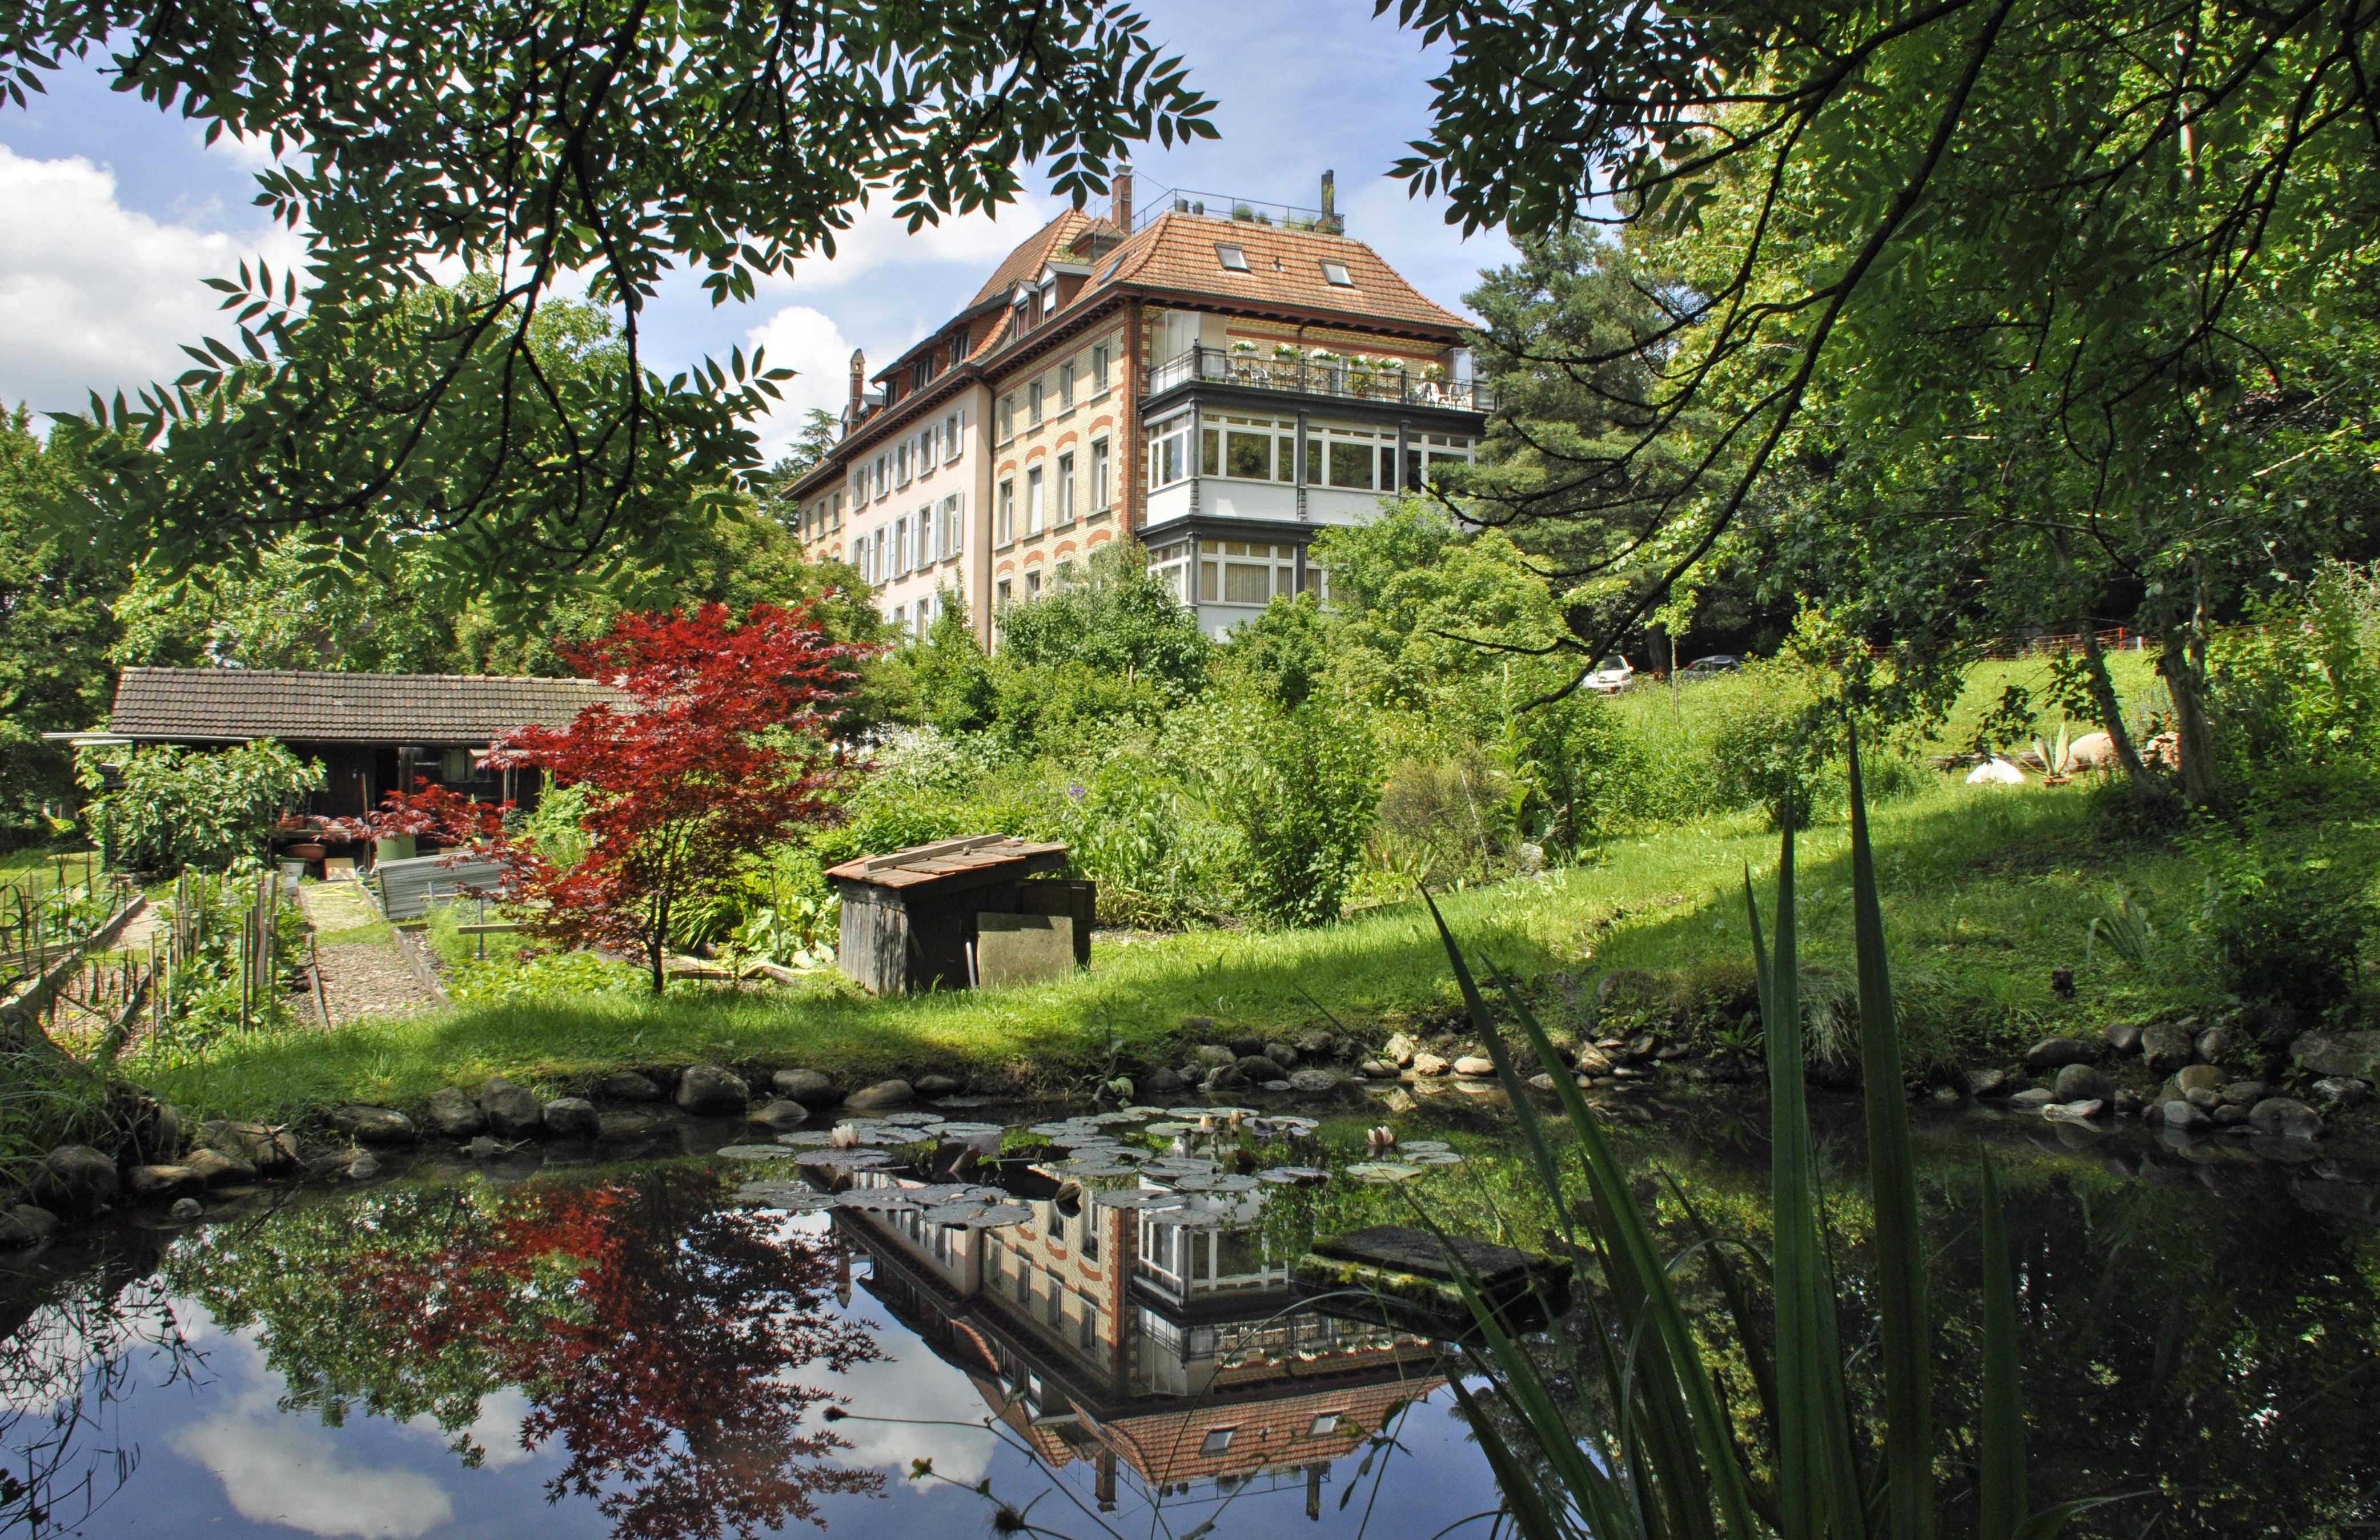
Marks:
<point>722,750</point>
<point>437,813</point>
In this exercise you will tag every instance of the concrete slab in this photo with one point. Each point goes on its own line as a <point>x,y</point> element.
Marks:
<point>1023,948</point>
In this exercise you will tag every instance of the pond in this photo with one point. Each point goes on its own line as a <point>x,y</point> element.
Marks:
<point>1087,1318</point>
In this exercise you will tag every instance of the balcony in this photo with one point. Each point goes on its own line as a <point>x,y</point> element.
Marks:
<point>1240,211</point>
<point>1338,378</point>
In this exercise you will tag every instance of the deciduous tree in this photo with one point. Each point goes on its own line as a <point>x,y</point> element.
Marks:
<point>720,749</point>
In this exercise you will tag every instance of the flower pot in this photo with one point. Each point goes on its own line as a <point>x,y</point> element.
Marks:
<point>393,847</point>
<point>2055,780</point>
<point>307,852</point>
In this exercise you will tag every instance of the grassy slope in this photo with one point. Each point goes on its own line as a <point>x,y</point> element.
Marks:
<point>1987,890</point>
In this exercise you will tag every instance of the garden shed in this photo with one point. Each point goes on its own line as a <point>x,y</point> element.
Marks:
<point>949,916</point>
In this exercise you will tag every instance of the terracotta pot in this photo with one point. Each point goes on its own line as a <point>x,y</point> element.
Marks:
<point>307,852</point>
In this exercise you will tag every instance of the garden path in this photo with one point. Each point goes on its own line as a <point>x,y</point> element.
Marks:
<point>360,978</point>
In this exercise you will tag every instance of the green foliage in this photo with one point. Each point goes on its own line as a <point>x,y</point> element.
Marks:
<point>2283,930</point>
<point>731,141</point>
<point>2296,695</point>
<point>176,807</point>
<point>1104,644</point>
<point>951,682</point>
<point>1299,787</point>
<point>54,630</point>
<point>1771,753</point>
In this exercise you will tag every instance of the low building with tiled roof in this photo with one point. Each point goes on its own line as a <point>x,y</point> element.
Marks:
<point>371,733</point>
<point>1216,379</point>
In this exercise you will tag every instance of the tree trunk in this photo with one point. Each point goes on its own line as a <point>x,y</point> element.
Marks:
<point>660,943</point>
<point>2111,717</point>
<point>2194,740</point>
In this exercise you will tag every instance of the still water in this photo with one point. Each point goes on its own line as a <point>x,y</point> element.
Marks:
<point>1090,1324</point>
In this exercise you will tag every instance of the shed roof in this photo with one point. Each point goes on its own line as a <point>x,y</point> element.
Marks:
<point>975,857</point>
<point>303,707</point>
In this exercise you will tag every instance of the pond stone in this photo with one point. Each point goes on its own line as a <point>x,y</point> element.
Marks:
<point>1400,1050</point>
<point>374,1125</point>
<point>2052,1053</point>
<point>711,1088</point>
<point>452,1114</point>
<point>2353,1054</point>
<point>1165,1082</point>
<point>1642,1046</point>
<point>1314,1043</point>
<point>215,1168</point>
<point>25,1224</point>
<point>2082,1083</point>
<point>628,1125</point>
<point>364,1167</point>
<point>1223,1077</point>
<point>157,1182</point>
<point>2182,1115</point>
<point>2199,1077</point>
<point>513,1112</point>
<point>263,1145</point>
<point>2340,1090</point>
<point>1282,1054</point>
<point>2230,1113</point>
<point>2244,1093</point>
<point>883,1094</point>
<point>1376,1069</point>
<point>2214,1042</point>
<point>1474,1064</point>
<point>1214,1056</point>
<point>629,1086</point>
<point>2168,1045</point>
<point>782,1114</point>
<point>936,1086</point>
<point>1314,1082</point>
<point>1986,1083</point>
<point>573,1118</point>
<point>812,1089</point>
<point>2205,1098</point>
<point>2286,1116</point>
<point>2122,1037</point>
<point>1430,1065</point>
<point>2032,1097</point>
<point>188,1208</point>
<point>1591,1059</point>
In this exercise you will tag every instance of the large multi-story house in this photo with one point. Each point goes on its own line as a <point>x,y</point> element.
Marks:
<point>1216,378</point>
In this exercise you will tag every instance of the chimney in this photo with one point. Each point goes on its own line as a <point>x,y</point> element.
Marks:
<point>859,380</point>
<point>1329,223</point>
<point>1123,198</point>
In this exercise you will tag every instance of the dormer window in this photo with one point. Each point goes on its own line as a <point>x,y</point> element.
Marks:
<point>1049,300</point>
<point>1335,273</point>
<point>1236,261</point>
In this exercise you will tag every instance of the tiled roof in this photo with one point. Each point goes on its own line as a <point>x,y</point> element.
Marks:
<point>922,865</point>
<point>1177,253</point>
<point>342,708</point>
<point>1026,261</point>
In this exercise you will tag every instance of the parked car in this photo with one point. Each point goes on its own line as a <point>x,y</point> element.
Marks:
<point>1712,666</point>
<point>1611,675</point>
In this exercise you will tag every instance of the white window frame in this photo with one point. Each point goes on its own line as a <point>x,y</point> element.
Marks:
<point>1065,489</point>
<point>1033,394</point>
<point>952,439</point>
<point>1101,355</point>
<point>1066,386</point>
<point>1007,414</point>
<point>1100,477</point>
<point>1036,511</point>
<point>954,524</point>
<point>1005,531</point>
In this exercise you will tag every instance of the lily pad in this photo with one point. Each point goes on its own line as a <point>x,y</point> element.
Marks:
<point>879,1200</point>
<point>1144,1198</point>
<point>1382,1170</point>
<point>1227,1182</point>
<point>754,1152</point>
<point>794,1197</point>
<point>808,1138</point>
<point>1431,1157</point>
<point>1296,1176</point>
<point>1422,1147</point>
<point>967,1130</point>
<point>979,1215</point>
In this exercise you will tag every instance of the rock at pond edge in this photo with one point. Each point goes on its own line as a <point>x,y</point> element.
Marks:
<point>711,1088</point>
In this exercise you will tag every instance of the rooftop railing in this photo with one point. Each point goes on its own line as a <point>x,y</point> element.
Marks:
<point>1344,378</point>
<point>1246,211</point>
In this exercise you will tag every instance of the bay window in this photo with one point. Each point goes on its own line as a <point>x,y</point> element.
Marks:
<point>1169,452</point>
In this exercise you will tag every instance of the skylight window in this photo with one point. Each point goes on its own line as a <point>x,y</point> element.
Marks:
<point>1232,257</point>
<point>1109,276</point>
<point>1336,273</point>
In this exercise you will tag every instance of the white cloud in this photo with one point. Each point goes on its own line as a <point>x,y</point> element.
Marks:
<point>276,1469</point>
<point>809,342</point>
<point>923,1396</point>
<point>496,1431</point>
<point>94,296</point>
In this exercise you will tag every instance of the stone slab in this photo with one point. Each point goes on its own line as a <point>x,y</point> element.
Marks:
<point>1023,948</point>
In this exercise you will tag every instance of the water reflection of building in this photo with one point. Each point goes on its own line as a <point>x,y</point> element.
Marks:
<point>1166,1343</point>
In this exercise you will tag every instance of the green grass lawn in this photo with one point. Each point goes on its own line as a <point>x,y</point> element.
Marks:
<point>1986,889</point>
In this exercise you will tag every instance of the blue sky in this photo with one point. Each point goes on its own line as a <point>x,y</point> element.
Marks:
<point>112,212</point>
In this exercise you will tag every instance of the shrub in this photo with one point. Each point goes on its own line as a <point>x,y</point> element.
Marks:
<point>1299,787</point>
<point>1772,756</point>
<point>2284,932</point>
<point>1446,820</point>
<point>175,807</point>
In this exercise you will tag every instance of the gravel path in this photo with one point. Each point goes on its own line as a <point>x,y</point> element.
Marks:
<point>364,978</point>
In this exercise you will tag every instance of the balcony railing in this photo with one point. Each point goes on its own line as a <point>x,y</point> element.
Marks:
<point>1243,211</point>
<point>1341,378</point>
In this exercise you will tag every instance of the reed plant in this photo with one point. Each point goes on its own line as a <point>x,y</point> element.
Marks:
<point>1665,1453</point>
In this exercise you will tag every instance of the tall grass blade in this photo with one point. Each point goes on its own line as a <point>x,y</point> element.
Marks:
<point>1903,1322</point>
<point>1817,1482</point>
<point>2000,1433</point>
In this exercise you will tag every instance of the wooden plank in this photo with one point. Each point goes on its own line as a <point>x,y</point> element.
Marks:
<point>491,928</point>
<point>923,852</point>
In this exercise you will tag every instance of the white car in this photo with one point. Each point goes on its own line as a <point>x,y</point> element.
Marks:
<point>1611,675</point>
